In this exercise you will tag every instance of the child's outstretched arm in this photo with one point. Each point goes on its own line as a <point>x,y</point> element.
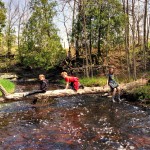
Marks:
<point>67,85</point>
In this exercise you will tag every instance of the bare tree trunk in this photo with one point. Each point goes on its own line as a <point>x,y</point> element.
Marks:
<point>138,24</point>
<point>99,33</point>
<point>99,39</point>
<point>144,35</point>
<point>77,46</point>
<point>9,29</point>
<point>133,40</point>
<point>85,37</point>
<point>78,28</point>
<point>90,48</point>
<point>73,19</point>
<point>138,33</point>
<point>21,15</point>
<point>12,20</point>
<point>18,38</point>
<point>126,11</point>
<point>148,27</point>
<point>69,51</point>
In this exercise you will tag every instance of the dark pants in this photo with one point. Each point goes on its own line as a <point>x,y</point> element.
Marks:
<point>80,86</point>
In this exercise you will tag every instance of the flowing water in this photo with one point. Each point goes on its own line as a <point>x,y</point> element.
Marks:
<point>85,122</point>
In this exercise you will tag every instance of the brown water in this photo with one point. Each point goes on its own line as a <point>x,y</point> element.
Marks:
<point>85,122</point>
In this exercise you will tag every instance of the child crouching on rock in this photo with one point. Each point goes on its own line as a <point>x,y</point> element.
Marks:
<point>114,86</point>
<point>72,81</point>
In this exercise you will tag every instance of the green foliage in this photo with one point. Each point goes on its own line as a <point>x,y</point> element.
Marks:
<point>142,92</point>
<point>62,81</point>
<point>95,81</point>
<point>41,45</point>
<point>104,19</point>
<point>9,38</point>
<point>2,15</point>
<point>8,85</point>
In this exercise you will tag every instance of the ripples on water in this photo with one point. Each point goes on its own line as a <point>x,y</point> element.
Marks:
<point>74,123</point>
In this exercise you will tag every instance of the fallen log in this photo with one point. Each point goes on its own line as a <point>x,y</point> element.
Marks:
<point>69,92</point>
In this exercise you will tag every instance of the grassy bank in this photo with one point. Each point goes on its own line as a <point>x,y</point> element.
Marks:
<point>95,81</point>
<point>8,85</point>
<point>142,92</point>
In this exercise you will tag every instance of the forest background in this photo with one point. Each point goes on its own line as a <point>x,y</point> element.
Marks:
<point>98,33</point>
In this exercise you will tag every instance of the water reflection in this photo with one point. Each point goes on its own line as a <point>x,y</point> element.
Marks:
<point>74,123</point>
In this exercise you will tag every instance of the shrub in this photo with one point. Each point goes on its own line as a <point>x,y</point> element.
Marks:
<point>143,92</point>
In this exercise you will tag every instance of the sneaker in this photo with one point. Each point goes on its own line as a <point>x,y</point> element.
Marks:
<point>120,100</point>
<point>25,94</point>
<point>81,87</point>
<point>113,100</point>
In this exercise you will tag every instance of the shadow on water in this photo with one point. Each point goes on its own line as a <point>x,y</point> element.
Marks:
<point>85,122</point>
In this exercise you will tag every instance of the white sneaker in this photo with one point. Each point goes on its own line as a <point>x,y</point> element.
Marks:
<point>113,100</point>
<point>120,100</point>
<point>25,94</point>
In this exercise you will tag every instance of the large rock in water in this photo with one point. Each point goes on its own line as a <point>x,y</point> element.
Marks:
<point>8,76</point>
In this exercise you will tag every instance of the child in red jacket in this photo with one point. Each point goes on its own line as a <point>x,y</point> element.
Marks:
<point>72,81</point>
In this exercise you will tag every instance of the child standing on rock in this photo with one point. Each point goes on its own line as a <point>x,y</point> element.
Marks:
<point>114,86</point>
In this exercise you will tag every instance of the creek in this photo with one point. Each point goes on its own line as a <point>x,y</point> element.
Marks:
<point>83,122</point>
